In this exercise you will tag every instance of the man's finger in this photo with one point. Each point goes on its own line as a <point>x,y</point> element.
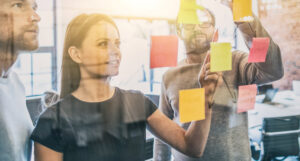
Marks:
<point>207,66</point>
<point>211,78</point>
<point>211,73</point>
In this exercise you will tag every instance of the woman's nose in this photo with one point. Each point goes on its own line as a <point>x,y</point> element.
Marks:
<point>115,51</point>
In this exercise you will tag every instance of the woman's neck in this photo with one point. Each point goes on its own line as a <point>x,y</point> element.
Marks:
<point>94,90</point>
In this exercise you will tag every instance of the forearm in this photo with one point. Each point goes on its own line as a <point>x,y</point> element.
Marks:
<point>42,153</point>
<point>197,134</point>
<point>272,68</point>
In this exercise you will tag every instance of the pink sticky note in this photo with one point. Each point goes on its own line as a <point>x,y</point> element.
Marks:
<point>164,51</point>
<point>246,100</point>
<point>259,49</point>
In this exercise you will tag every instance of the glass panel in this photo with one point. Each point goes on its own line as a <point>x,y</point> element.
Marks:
<point>45,10</point>
<point>41,63</point>
<point>26,80</point>
<point>23,65</point>
<point>41,83</point>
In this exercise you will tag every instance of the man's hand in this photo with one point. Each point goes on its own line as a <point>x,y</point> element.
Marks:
<point>209,80</point>
<point>229,4</point>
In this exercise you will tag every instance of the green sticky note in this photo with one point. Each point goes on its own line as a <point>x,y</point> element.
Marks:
<point>188,12</point>
<point>220,57</point>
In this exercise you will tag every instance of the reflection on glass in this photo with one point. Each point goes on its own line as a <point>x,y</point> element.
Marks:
<point>41,63</point>
<point>41,83</point>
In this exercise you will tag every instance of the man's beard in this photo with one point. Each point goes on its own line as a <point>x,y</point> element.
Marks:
<point>23,44</point>
<point>203,48</point>
<point>199,47</point>
<point>20,43</point>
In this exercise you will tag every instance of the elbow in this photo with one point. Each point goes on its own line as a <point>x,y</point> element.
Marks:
<point>278,74</point>
<point>195,154</point>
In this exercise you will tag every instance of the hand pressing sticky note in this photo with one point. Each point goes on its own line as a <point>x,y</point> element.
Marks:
<point>242,10</point>
<point>246,99</point>
<point>220,57</point>
<point>164,51</point>
<point>188,12</point>
<point>259,49</point>
<point>192,105</point>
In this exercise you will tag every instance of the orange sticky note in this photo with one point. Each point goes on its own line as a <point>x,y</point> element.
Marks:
<point>192,105</point>
<point>220,57</point>
<point>164,51</point>
<point>259,49</point>
<point>188,12</point>
<point>242,10</point>
<point>246,99</point>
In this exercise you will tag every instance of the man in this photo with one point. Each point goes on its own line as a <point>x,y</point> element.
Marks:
<point>228,138</point>
<point>18,32</point>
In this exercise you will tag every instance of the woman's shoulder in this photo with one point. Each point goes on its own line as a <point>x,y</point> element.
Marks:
<point>131,95</point>
<point>51,111</point>
<point>129,92</point>
<point>135,102</point>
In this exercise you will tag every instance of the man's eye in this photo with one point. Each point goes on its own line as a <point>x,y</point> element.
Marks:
<point>17,5</point>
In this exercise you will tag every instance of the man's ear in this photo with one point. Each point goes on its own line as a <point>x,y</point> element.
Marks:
<point>216,36</point>
<point>179,32</point>
<point>75,54</point>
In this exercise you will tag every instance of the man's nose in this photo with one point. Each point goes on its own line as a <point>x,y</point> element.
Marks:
<point>34,16</point>
<point>197,27</point>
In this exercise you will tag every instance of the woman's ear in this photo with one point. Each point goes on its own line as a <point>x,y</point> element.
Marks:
<point>216,36</point>
<point>75,54</point>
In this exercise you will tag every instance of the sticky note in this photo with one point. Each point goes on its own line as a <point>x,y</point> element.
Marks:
<point>220,57</point>
<point>259,49</point>
<point>242,10</point>
<point>188,12</point>
<point>191,105</point>
<point>246,99</point>
<point>164,51</point>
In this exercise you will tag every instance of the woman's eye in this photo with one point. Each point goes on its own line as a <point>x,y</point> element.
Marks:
<point>103,44</point>
<point>118,44</point>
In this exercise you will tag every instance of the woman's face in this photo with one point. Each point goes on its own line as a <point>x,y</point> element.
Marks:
<point>100,51</point>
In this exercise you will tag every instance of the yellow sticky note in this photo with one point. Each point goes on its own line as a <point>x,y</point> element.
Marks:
<point>242,10</point>
<point>191,105</point>
<point>188,12</point>
<point>220,57</point>
<point>190,5</point>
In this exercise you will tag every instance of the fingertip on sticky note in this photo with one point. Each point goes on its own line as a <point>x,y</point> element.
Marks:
<point>242,10</point>
<point>259,49</point>
<point>220,57</point>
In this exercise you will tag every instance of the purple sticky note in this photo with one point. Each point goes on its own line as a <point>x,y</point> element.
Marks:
<point>259,49</point>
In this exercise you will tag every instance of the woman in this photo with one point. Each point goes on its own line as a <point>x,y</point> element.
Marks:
<point>96,121</point>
